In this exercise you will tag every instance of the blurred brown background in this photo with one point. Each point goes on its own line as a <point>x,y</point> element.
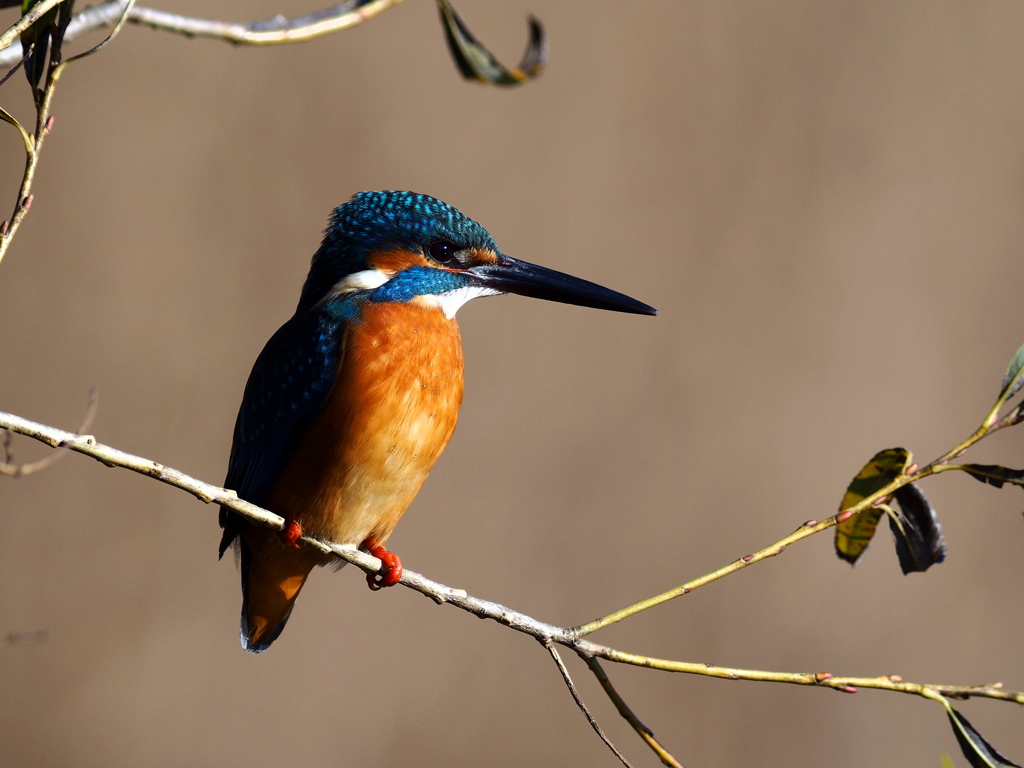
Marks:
<point>825,201</point>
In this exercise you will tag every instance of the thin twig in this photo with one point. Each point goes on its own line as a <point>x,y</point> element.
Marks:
<point>122,19</point>
<point>13,69</point>
<point>9,469</point>
<point>276,31</point>
<point>44,123</point>
<point>821,679</point>
<point>111,457</point>
<point>620,704</point>
<point>579,703</point>
<point>33,146</point>
<point>25,22</point>
<point>806,530</point>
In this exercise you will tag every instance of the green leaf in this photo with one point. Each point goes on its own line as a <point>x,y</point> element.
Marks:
<point>854,534</point>
<point>995,475</point>
<point>1013,380</point>
<point>979,753</point>
<point>916,530</point>
<point>7,117</point>
<point>477,63</point>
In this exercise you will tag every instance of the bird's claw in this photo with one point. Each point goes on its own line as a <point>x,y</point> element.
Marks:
<point>390,572</point>
<point>291,533</point>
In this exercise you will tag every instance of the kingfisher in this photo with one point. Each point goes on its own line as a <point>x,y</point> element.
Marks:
<point>353,399</point>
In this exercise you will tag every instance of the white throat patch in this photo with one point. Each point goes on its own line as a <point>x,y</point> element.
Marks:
<point>450,302</point>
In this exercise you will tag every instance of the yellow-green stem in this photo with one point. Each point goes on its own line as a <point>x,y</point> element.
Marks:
<point>31,161</point>
<point>939,465</point>
<point>26,21</point>
<point>821,679</point>
<point>644,732</point>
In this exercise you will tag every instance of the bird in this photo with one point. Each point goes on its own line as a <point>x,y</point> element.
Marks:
<point>354,398</point>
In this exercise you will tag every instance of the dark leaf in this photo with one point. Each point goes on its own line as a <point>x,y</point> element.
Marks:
<point>35,42</point>
<point>979,753</point>
<point>854,535</point>
<point>995,475</point>
<point>42,41</point>
<point>476,63</point>
<point>64,13</point>
<point>1011,382</point>
<point>918,536</point>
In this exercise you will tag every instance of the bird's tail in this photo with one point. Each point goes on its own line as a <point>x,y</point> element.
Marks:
<point>272,575</point>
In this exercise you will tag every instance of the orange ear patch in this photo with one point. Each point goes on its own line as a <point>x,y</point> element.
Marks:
<point>395,260</point>
<point>398,259</point>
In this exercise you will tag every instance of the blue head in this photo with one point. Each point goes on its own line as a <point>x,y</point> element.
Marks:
<point>396,246</point>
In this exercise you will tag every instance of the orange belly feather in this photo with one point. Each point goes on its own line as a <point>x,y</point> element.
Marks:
<point>387,420</point>
<point>389,416</point>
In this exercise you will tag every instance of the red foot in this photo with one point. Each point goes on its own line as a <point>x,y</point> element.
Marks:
<point>390,572</point>
<point>290,533</point>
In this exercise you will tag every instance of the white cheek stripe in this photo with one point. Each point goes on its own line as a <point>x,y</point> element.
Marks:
<point>366,280</point>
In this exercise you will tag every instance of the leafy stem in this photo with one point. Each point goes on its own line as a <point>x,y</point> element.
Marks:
<point>1012,382</point>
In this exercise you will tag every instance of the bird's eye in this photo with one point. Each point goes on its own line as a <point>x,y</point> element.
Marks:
<point>442,252</point>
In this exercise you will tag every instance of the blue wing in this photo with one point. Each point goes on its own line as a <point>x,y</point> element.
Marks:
<point>287,388</point>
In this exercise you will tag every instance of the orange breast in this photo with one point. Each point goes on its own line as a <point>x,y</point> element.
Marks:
<point>389,416</point>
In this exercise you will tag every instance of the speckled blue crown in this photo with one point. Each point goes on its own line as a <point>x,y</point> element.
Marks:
<point>373,221</point>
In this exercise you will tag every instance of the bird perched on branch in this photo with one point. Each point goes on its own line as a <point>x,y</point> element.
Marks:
<point>355,397</point>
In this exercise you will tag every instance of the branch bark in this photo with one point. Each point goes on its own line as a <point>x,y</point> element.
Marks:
<point>276,31</point>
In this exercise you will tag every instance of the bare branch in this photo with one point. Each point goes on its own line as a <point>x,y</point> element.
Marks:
<point>12,70</point>
<point>579,703</point>
<point>33,147</point>
<point>276,31</point>
<point>10,469</point>
<point>620,704</point>
<point>25,22</point>
<point>113,33</point>
<point>111,457</point>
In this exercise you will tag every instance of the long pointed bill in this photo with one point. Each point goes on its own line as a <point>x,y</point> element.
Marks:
<point>510,275</point>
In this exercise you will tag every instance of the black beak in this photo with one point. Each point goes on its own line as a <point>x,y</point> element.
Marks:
<point>510,275</point>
